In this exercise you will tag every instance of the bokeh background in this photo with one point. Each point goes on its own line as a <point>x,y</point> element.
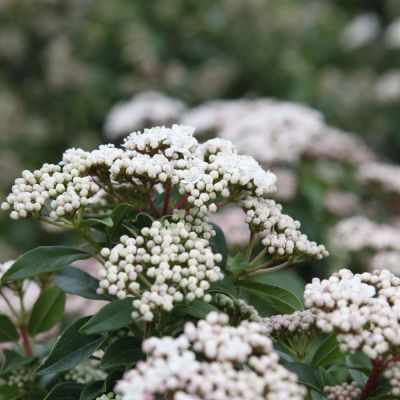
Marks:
<point>65,64</point>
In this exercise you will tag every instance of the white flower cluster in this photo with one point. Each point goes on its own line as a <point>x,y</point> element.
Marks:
<point>341,203</point>
<point>392,374</point>
<point>109,396</point>
<point>204,174</point>
<point>282,234</point>
<point>211,360</point>
<point>20,378</point>
<point>333,144</point>
<point>344,391</point>
<point>145,109</point>
<point>356,233</point>
<point>67,190</point>
<point>298,323</point>
<point>389,260</point>
<point>361,308</point>
<point>271,131</point>
<point>171,261</point>
<point>386,176</point>
<point>86,372</point>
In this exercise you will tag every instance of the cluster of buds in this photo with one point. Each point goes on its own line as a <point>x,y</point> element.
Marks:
<point>361,308</point>
<point>237,309</point>
<point>109,396</point>
<point>392,374</point>
<point>171,261</point>
<point>289,325</point>
<point>211,360</point>
<point>344,391</point>
<point>86,372</point>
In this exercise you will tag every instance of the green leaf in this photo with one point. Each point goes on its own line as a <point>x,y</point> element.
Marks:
<point>70,349</point>
<point>308,376</point>
<point>47,311</point>
<point>92,391</point>
<point>74,280</point>
<point>9,392</point>
<point>65,391</point>
<point>111,317</point>
<point>280,299</point>
<point>41,260</point>
<point>13,360</point>
<point>218,244</point>
<point>8,333</point>
<point>197,309</point>
<point>224,286</point>
<point>117,216</point>
<point>327,353</point>
<point>357,363</point>
<point>89,222</point>
<point>122,352</point>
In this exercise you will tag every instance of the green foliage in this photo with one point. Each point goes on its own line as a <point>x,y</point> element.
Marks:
<point>111,317</point>
<point>8,333</point>
<point>71,348</point>
<point>281,299</point>
<point>75,281</point>
<point>47,311</point>
<point>41,260</point>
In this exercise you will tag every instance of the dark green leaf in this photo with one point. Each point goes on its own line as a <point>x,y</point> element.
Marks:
<point>117,216</point>
<point>327,378</point>
<point>308,376</point>
<point>92,390</point>
<point>13,360</point>
<point>74,280</point>
<point>47,311</point>
<point>90,222</point>
<point>197,309</point>
<point>327,353</point>
<point>357,364</point>
<point>224,286</point>
<point>8,333</point>
<point>9,392</point>
<point>65,391</point>
<point>122,352</point>
<point>280,299</point>
<point>218,244</point>
<point>111,317</point>
<point>43,259</point>
<point>71,348</point>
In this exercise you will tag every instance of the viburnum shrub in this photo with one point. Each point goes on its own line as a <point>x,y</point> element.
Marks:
<point>178,322</point>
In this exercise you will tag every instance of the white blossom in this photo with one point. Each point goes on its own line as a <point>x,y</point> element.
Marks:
<point>211,360</point>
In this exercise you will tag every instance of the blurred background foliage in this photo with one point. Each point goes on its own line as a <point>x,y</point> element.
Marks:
<point>63,64</point>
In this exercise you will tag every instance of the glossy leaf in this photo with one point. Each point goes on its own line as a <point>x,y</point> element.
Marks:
<point>92,391</point>
<point>13,360</point>
<point>47,311</point>
<point>280,299</point>
<point>41,260</point>
<point>197,309</point>
<point>307,375</point>
<point>218,243</point>
<point>111,317</point>
<point>71,349</point>
<point>327,353</point>
<point>8,333</point>
<point>9,392</point>
<point>123,352</point>
<point>75,281</point>
<point>65,391</point>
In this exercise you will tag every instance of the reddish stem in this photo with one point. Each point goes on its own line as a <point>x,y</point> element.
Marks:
<point>168,191</point>
<point>377,368</point>
<point>181,202</point>
<point>26,343</point>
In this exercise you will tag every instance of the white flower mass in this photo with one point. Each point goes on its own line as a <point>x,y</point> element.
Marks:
<point>211,360</point>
